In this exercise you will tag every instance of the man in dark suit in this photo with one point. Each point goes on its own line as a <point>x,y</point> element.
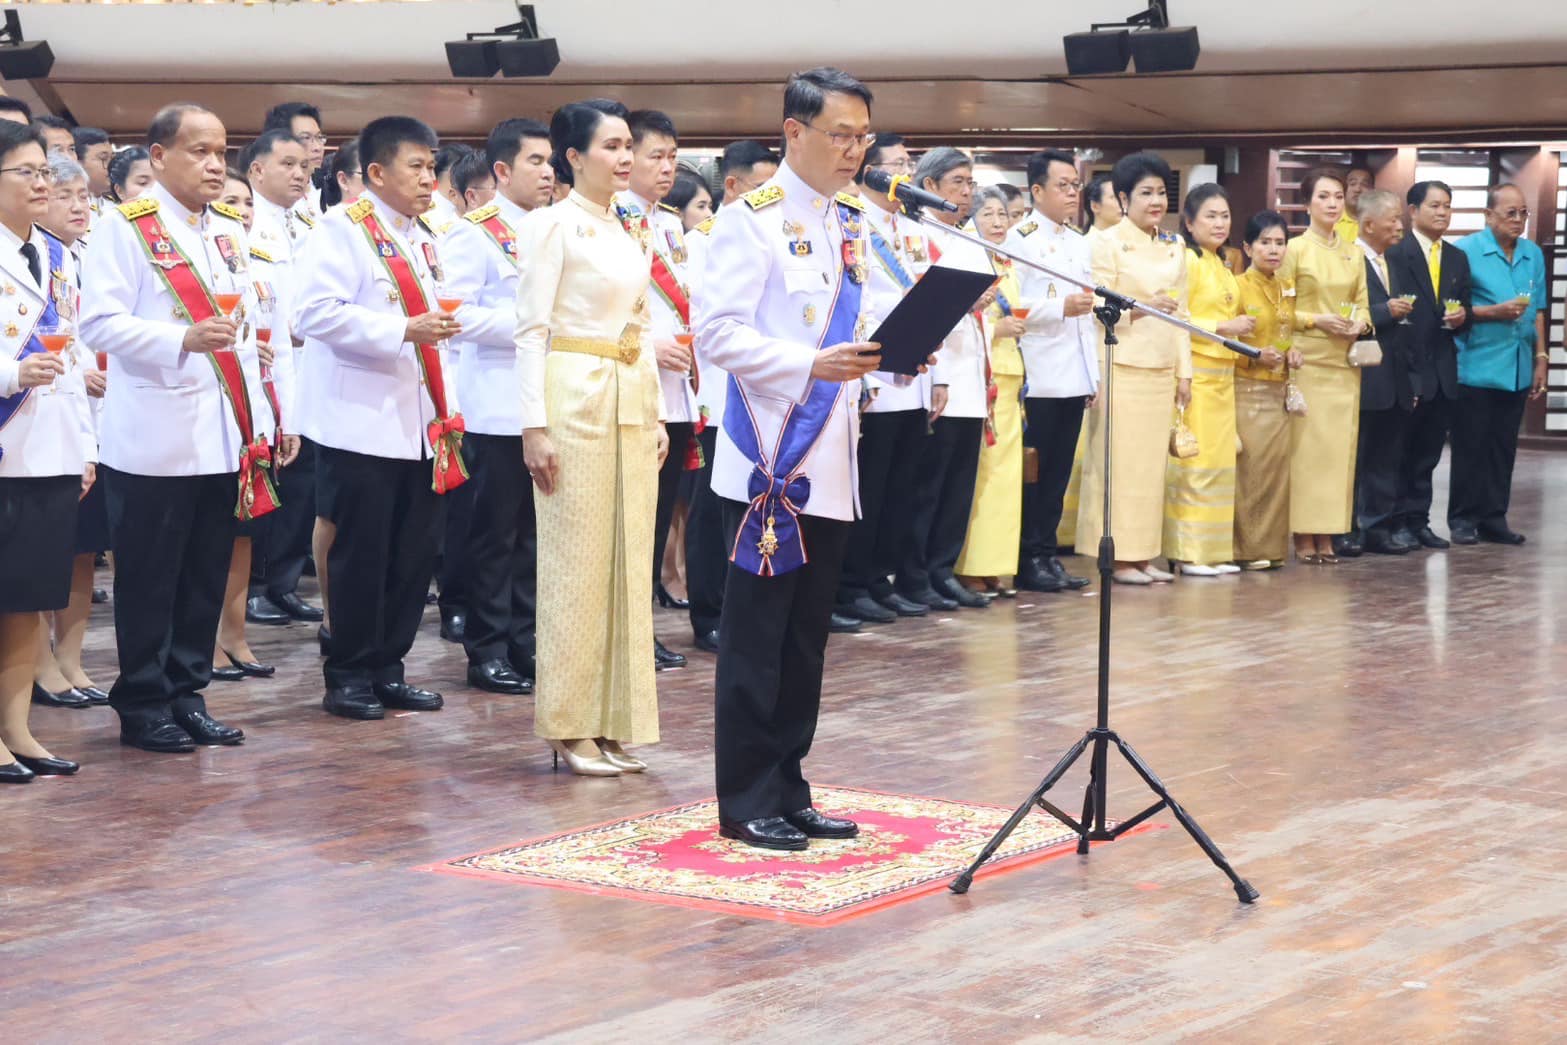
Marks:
<point>1388,393</point>
<point>1436,273</point>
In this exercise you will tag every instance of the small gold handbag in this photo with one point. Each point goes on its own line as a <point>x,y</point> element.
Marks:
<point>1183,443</point>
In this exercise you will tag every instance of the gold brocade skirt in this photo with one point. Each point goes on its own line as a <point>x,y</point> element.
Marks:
<point>1262,471</point>
<point>1143,404</point>
<point>1199,499</point>
<point>595,555</point>
<point>1066,532</point>
<point>1322,455</point>
<point>995,522</point>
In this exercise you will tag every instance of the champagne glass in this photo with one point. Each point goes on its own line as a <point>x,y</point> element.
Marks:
<point>1410,300</point>
<point>56,336</point>
<point>684,338</point>
<point>228,306</point>
<point>449,305</point>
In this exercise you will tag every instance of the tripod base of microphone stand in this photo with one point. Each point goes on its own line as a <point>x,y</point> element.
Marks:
<point>1091,827</point>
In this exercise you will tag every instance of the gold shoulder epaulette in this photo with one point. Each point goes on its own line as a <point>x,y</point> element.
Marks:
<point>766,196</point>
<point>1028,228</point>
<point>227,211</point>
<point>360,210</point>
<point>848,199</point>
<point>672,210</point>
<point>433,229</point>
<point>261,255</point>
<point>305,217</point>
<point>483,214</point>
<point>139,208</point>
<point>706,227</point>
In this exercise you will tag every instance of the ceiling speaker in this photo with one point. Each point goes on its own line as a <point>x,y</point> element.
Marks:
<point>527,57</point>
<point>1165,50</point>
<point>26,61</point>
<point>1091,54</point>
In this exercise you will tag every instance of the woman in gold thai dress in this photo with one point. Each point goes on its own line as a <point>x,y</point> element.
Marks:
<point>1199,505</point>
<point>1152,375</point>
<point>1262,470</point>
<point>593,440</point>
<point>995,523</point>
<point>1329,277</point>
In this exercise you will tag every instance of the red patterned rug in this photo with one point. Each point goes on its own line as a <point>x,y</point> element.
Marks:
<point>908,847</point>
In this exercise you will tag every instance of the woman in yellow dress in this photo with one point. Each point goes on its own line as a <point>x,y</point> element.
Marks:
<point>1329,277</point>
<point>1199,503</point>
<point>1152,373</point>
<point>1262,470</point>
<point>995,521</point>
<point>593,440</point>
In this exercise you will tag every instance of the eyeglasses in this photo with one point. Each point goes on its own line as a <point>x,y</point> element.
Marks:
<point>1068,186</point>
<point>1514,213</point>
<point>31,173</point>
<point>844,142</point>
<point>895,165</point>
<point>310,139</point>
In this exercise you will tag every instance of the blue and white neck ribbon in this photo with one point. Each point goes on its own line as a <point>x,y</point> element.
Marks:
<point>769,542</point>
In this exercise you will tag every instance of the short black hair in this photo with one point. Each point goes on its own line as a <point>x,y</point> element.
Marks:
<point>1039,164</point>
<point>1194,202</point>
<point>1011,192</point>
<point>262,147</point>
<point>1129,170</point>
<point>1261,222</point>
<point>505,141</point>
<point>87,137</point>
<point>235,174</point>
<point>344,161</point>
<point>1421,189</point>
<point>448,155</point>
<point>1096,190</point>
<point>58,123</point>
<point>10,104</point>
<point>807,92</point>
<point>644,122</point>
<point>166,124</point>
<point>744,155</point>
<point>468,169</point>
<point>281,117</point>
<point>572,127</point>
<point>382,137</point>
<point>687,184</point>
<point>873,153</point>
<point>120,167</point>
<point>14,135</point>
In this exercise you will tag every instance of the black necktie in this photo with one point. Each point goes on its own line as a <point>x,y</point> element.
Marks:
<point>30,252</point>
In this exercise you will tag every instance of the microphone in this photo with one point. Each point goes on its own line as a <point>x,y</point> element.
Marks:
<point>901,190</point>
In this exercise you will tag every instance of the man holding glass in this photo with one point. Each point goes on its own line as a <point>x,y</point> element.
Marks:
<point>1501,364</point>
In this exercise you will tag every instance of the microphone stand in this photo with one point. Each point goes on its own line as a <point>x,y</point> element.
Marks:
<point>1091,826</point>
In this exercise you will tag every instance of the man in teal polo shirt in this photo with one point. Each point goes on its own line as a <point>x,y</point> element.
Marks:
<point>1501,363</point>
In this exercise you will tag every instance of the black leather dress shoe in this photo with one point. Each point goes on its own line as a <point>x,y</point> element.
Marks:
<point>707,641</point>
<point>1068,581</point>
<point>93,694</point>
<point>841,624</point>
<point>1380,542</point>
<point>1036,575</point>
<point>99,596</point>
<point>665,658</point>
<point>261,610</point>
<point>454,623</point>
<point>1499,535</point>
<point>497,676</point>
<point>934,599</point>
<point>204,729</point>
<point>16,773</point>
<point>400,696</point>
<point>252,668</point>
<point>68,698</point>
<point>48,766</point>
<point>770,832</point>
<point>1349,546</point>
<point>1428,539</point>
<point>901,606</point>
<point>954,589</point>
<point>355,702</point>
<point>162,735</point>
<point>813,824</point>
<point>324,640</point>
<point>867,610</point>
<point>1464,533</point>
<point>298,609</point>
<point>228,673</point>
<point>1403,539</point>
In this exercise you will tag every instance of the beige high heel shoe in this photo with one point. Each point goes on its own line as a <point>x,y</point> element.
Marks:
<point>616,756</point>
<point>582,765</point>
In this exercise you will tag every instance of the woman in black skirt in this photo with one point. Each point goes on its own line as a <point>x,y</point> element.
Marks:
<point>46,445</point>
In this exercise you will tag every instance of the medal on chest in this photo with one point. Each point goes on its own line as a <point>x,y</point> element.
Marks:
<point>431,261</point>
<point>854,259</point>
<point>229,253</point>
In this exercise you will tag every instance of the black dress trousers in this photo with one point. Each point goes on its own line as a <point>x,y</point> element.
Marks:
<point>455,508</point>
<point>1379,462</point>
<point>943,495</point>
<point>172,538</point>
<point>388,522</point>
<point>889,463</point>
<point>281,562</point>
<point>1424,441</point>
<point>771,647</point>
<point>669,474</point>
<point>1053,428</point>
<point>502,553</point>
<point>1485,445</point>
<point>707,552</point>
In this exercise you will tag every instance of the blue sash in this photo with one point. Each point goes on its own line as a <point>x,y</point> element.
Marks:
<point>889,261</point>
<point>769,542</point>
<point>9,405</point>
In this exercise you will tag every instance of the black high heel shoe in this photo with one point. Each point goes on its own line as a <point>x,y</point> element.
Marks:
<point>668,601</point>
<point>47,766</point>
<point>66,698</point>
<point>251,668</point>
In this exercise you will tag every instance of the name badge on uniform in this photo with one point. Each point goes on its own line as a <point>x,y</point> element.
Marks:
<point>431,261</point>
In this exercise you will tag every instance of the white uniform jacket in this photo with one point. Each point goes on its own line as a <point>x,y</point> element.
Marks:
<point>1060,355</point>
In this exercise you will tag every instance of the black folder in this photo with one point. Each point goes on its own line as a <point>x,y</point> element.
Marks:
<point>926,315</point>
